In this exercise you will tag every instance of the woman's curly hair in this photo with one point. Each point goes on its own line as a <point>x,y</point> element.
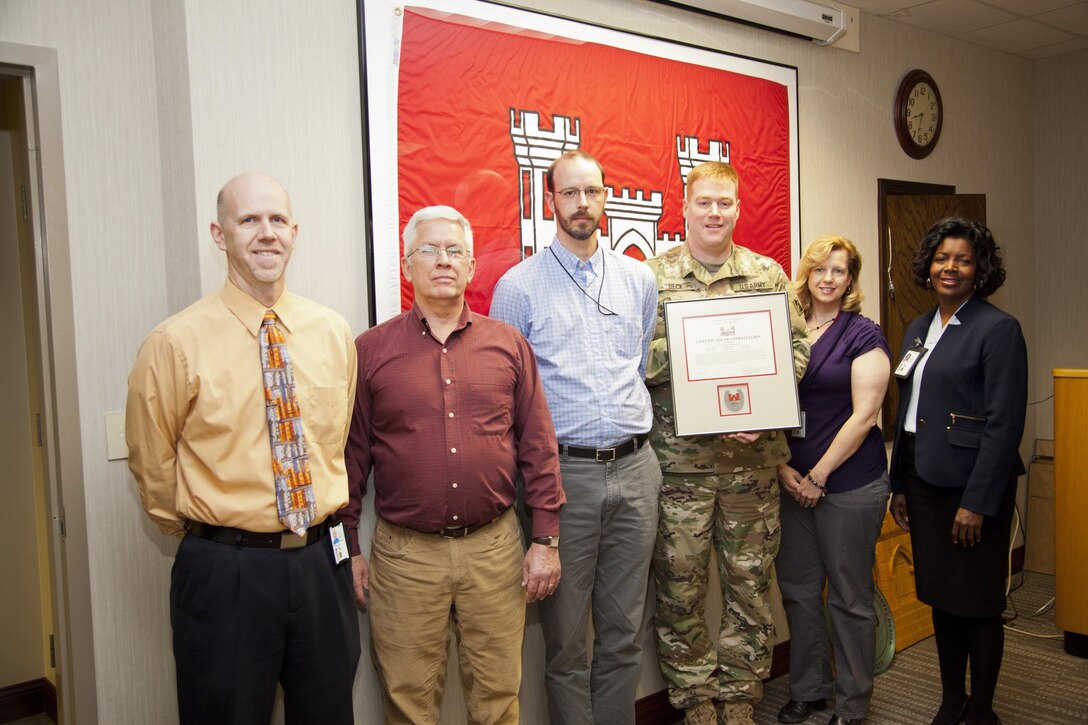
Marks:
<point>990,273</point>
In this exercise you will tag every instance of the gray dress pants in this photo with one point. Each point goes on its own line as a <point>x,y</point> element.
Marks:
<point>835,542</point>
<point>606,531</point>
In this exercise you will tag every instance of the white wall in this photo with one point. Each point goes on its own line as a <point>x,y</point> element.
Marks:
<point>164,100</point>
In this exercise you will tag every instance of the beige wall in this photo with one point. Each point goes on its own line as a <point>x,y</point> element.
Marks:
<point>1061,235</point>
<point>164,100</point>
<point>278,90</point>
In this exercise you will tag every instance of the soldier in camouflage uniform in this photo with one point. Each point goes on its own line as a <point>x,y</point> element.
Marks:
<point>718,490</point>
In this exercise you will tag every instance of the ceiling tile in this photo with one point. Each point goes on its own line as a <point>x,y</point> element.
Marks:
<point>1073,18</point>
<point>952,17</point>
<point>881,7</point>
<point>1016,36</point>
<point>1028,8</point>
<point>1050,51</point>
<point>998,24</point>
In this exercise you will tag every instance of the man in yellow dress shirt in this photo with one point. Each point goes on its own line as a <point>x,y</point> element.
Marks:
<point>251,604</point>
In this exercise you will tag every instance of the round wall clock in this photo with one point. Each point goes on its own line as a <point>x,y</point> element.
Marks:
<point>919,114</point>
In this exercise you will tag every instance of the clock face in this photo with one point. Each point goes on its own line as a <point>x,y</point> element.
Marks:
<point>922,114</point>
<point>918,114</point>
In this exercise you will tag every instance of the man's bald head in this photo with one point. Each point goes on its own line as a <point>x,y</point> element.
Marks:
<point>257,233</point>
<point>243,180</point>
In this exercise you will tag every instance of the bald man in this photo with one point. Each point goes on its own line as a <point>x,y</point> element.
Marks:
<point>237,415</point>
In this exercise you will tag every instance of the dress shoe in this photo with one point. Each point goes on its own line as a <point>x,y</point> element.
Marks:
<point>945,717</point>
<point>798,710</point>
<point>989,718</point>
<point>839,720</point>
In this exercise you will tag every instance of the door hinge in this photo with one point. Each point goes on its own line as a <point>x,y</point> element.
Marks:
<point>60,521</point>
<point>22,191</point>
<point>52,653</point>
<point>38,424</point>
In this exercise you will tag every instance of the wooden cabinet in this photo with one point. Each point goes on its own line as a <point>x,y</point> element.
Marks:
<point>1071,507</point>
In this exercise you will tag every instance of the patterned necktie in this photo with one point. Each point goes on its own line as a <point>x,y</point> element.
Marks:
<point>290,464</point>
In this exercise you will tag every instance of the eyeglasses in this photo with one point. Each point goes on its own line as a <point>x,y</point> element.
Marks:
<point>430,252</point>
<point>593,193</point>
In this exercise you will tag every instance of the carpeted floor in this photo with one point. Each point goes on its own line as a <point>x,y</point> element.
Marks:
<point>1040,684</point>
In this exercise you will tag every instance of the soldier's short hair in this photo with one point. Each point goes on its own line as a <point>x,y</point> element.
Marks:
<point>718,171</point>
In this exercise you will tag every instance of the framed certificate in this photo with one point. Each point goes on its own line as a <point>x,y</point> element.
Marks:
<point>732,364</point>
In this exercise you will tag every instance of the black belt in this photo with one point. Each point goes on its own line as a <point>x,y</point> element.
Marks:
<point>459,532</point>
<point>605,455</point>
<point>452,532</point>
<point>260,539</point>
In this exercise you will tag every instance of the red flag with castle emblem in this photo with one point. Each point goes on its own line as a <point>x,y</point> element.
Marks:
<point>483,108</point>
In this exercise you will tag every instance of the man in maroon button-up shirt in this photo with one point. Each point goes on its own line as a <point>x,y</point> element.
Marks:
<point>449,408</point>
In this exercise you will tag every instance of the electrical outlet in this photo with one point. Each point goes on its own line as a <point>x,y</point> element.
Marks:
<point>116,447</point>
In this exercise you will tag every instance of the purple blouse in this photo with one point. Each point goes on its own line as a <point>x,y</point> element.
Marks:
<point>826,401</point>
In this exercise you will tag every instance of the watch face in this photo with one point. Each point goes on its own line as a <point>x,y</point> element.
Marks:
<point>923,115</point>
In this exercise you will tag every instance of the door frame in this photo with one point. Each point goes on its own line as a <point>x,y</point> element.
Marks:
<point>47,207</point>
<point>892,187</point>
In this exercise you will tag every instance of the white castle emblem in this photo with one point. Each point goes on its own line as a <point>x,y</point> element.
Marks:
<point>631,215</point>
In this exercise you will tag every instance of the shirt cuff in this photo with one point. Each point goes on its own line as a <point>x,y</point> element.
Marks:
<point>545,523</point>
<point>352,535</point>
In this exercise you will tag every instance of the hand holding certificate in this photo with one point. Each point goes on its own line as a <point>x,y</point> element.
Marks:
<point>732,364</point>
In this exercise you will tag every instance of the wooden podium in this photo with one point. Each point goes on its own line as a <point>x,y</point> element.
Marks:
<point>1071,507</point>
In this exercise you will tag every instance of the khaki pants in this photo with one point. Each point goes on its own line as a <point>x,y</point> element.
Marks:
<point>417,583</point>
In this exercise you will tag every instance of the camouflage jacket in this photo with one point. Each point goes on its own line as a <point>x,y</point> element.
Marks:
<point>680,276</point>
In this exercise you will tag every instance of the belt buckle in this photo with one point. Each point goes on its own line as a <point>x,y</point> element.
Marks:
<point>611,452</point>
<point>457,533</point>
<point>291,540</point>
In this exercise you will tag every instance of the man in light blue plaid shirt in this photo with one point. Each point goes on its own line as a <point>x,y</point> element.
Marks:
<point>589,314</point>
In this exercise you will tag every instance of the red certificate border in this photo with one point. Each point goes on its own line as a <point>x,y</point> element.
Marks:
<point>697,407</point>
<point>687,365</point>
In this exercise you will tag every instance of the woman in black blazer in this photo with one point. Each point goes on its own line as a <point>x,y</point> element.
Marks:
<point>962,378</point>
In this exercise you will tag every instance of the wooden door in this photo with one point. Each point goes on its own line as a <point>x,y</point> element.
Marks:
<point>907,219</point>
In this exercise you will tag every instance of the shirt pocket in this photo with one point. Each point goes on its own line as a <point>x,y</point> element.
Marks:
<point>965,429</point>
<point>491,407</point>
<point>323,414</point>
<point>625,335</point>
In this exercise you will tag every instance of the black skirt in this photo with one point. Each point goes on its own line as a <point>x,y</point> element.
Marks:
<point>966,581</point>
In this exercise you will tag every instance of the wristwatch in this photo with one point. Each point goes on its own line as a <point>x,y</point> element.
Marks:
<point>552,542</point>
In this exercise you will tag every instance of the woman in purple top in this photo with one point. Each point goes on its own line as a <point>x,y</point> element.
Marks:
<point>838,489</point>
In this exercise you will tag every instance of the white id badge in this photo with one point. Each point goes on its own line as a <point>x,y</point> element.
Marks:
<point>799,432</point>
<point>339,543</point>
<point>910,359</point>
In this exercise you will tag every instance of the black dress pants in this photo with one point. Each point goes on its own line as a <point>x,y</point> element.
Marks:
<point>245,619</point>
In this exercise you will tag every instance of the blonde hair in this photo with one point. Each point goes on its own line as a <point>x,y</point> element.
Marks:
<point>817,253</point>
<point>717,171</point>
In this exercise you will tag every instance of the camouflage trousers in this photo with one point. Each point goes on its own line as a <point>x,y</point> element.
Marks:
<point>737,514</point>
